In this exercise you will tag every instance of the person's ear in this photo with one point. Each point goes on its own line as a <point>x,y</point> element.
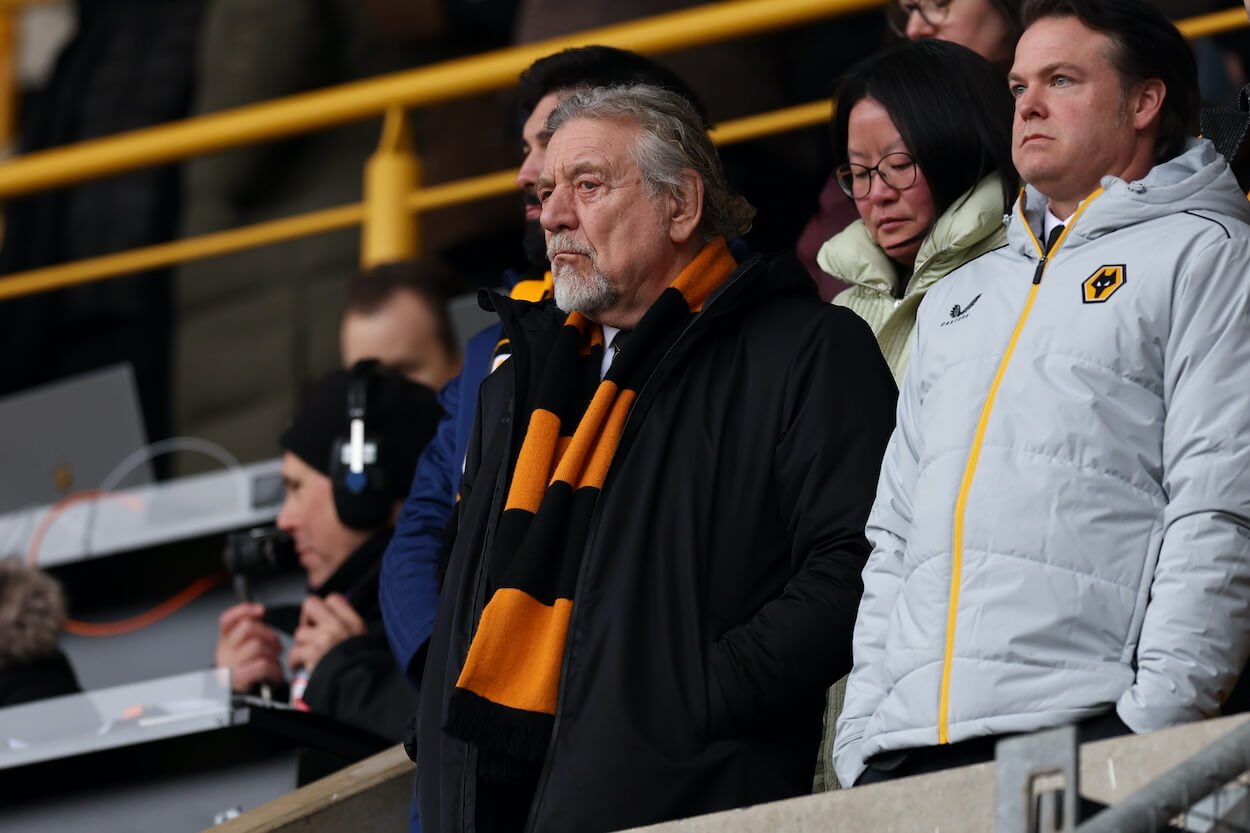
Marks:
<point>685,208</point>
<point>1147,103</point>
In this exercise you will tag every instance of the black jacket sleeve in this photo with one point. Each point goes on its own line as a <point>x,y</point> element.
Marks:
<point>840,398</point>
<point>359,683</point>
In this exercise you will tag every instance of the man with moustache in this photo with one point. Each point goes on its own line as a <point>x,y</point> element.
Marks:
<point>409,589</point>
<point>657,559</point>
<point>1062,527</point>
<point>412,568</point>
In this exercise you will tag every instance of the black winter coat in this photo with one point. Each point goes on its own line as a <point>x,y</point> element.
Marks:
<point>38,679</point>
<point>720,583</point>
<point>357,681</point>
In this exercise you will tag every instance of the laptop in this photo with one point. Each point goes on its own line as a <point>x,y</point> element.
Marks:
<point>70,435</point>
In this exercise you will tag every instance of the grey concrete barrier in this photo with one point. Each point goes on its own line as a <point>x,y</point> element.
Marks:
<point>373,796</point>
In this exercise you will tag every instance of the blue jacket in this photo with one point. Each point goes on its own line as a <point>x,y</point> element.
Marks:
<point>408,591</point>
<point>409,586</point>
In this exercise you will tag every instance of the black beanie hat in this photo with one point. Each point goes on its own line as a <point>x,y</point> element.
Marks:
<point>401,414</point>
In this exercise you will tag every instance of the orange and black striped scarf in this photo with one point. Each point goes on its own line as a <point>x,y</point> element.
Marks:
<point>505,699</point>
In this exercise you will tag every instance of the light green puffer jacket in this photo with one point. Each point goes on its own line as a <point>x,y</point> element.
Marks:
<point>969,228</point>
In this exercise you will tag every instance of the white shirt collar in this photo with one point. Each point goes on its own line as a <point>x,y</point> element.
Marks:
<point>1049,221</point>
<point>609,335</point>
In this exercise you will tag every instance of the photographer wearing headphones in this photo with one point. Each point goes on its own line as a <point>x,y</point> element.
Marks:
<point>348,459</point>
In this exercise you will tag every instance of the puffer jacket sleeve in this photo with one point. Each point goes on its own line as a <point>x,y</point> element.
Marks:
<point>888,527</point>
<point>1195,634</point>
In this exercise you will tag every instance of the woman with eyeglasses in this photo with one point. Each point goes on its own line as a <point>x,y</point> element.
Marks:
<point>989,28</point>
<point>922,142</point>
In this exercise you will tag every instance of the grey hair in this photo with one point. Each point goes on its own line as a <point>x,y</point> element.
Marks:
<point>671,141</point>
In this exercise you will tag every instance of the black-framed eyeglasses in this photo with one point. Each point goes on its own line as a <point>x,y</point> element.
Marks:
<point>897,170</point>
<point>933,12</point>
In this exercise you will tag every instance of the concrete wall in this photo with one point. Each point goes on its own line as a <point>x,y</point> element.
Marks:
<point>374,795</point>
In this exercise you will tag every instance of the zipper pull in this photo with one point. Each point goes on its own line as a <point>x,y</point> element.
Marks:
<point>1052,242</point>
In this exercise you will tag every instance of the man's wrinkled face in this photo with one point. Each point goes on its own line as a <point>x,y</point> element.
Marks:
<point>607,236</point>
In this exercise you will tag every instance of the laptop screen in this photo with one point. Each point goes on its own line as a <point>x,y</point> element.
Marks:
<point>70,435</point>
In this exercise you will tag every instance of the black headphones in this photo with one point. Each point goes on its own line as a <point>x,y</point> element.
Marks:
<point>362,495</point>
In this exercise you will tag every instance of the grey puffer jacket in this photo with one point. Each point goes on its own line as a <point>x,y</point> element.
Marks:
<point>1062,524</point>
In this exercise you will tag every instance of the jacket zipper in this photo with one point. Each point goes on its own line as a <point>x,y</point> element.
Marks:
<point>974,455</point>
<point>591,536</point>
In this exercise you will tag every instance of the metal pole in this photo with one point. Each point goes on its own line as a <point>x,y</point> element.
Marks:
<point>1154,805</point>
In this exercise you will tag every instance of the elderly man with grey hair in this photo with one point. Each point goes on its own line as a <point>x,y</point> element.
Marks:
<point>656,564</point>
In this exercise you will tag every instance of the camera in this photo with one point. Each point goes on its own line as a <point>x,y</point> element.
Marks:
<point>254,553</point>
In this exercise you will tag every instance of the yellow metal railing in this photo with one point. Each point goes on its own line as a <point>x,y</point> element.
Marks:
<point>350,102</point>
<point>326,108</point>
<point>434,84</point>
<point>429,198</point>
<point>1212,24</point>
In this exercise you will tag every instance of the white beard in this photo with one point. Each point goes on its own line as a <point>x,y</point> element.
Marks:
<point>574,291</point>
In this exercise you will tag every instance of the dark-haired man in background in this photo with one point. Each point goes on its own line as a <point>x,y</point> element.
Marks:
<point>1062,528</point>
<point>397,313</point>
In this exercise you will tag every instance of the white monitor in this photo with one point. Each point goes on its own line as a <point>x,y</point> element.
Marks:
<point>69,436</point>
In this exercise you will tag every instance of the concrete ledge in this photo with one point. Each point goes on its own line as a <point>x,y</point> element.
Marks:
<point>372,796</point>
<point>959,800</point>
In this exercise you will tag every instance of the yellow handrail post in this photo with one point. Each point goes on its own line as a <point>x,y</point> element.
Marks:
<point>390,230</point>
<point>8,78</point>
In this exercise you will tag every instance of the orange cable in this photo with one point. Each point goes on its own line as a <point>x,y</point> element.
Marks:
<point>130,624</point>
<point>54,512</point>
<point>166,608</point>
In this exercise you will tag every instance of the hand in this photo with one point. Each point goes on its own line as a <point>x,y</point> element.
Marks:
<point>248,647</point>
<point>323,623</point>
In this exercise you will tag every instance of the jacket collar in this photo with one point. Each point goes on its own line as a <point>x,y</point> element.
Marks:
<point>357,577</point>
<point>1198,179</point>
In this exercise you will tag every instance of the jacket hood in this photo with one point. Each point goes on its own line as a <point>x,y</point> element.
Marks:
<point>957,236</point>
<point>1199,179</point>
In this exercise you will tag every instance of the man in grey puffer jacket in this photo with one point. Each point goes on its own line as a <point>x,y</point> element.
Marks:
<point>1062,527</point>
